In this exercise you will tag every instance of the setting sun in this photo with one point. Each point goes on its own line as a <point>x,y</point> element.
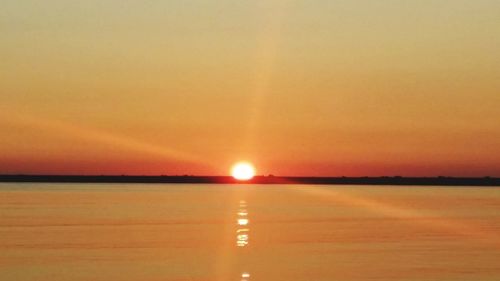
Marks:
<point>243,171</point>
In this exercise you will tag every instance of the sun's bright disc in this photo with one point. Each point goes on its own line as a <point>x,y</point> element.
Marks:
<point>243,171</point>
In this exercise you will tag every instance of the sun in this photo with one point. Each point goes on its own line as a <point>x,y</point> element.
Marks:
<point>243,171</point>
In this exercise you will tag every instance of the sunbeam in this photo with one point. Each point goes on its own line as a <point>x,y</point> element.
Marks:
<point>406,214</point>
<point>268,41</point>
<point>97,136</point>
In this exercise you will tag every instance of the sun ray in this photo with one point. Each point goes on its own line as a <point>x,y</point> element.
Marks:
<point>265,61</point>
<point>104,137</point>
<point>465,229</point>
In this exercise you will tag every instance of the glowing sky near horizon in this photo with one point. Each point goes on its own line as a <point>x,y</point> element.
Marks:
<point>296,87</point>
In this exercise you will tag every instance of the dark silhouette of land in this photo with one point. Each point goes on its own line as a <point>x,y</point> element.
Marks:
<point>442,181</point>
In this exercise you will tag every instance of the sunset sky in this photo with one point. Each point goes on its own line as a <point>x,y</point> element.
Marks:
<point>320,88</point>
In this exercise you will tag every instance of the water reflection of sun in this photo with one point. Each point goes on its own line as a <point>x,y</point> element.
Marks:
<point>243,232</point>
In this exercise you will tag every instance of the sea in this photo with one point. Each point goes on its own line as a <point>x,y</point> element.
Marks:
<point>244,232</point>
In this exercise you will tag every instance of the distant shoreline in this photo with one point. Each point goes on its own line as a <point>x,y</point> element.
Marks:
<point>424,181</point>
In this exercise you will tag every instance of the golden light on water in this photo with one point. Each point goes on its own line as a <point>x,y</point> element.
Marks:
<point>243,171</point>
<point>243,230</point>
<point>242,221</point>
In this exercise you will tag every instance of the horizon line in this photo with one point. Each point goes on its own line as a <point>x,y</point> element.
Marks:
<point>271,179</point>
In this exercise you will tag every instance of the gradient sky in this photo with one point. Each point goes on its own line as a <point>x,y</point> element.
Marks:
<point>334,88</point>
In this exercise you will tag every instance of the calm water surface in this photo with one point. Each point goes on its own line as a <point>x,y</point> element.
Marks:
<point>247,232</point>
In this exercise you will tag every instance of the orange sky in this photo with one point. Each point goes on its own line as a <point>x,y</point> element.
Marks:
<point>296,87</point>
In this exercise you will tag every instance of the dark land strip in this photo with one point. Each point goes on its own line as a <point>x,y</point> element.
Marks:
<point>426,181</point>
